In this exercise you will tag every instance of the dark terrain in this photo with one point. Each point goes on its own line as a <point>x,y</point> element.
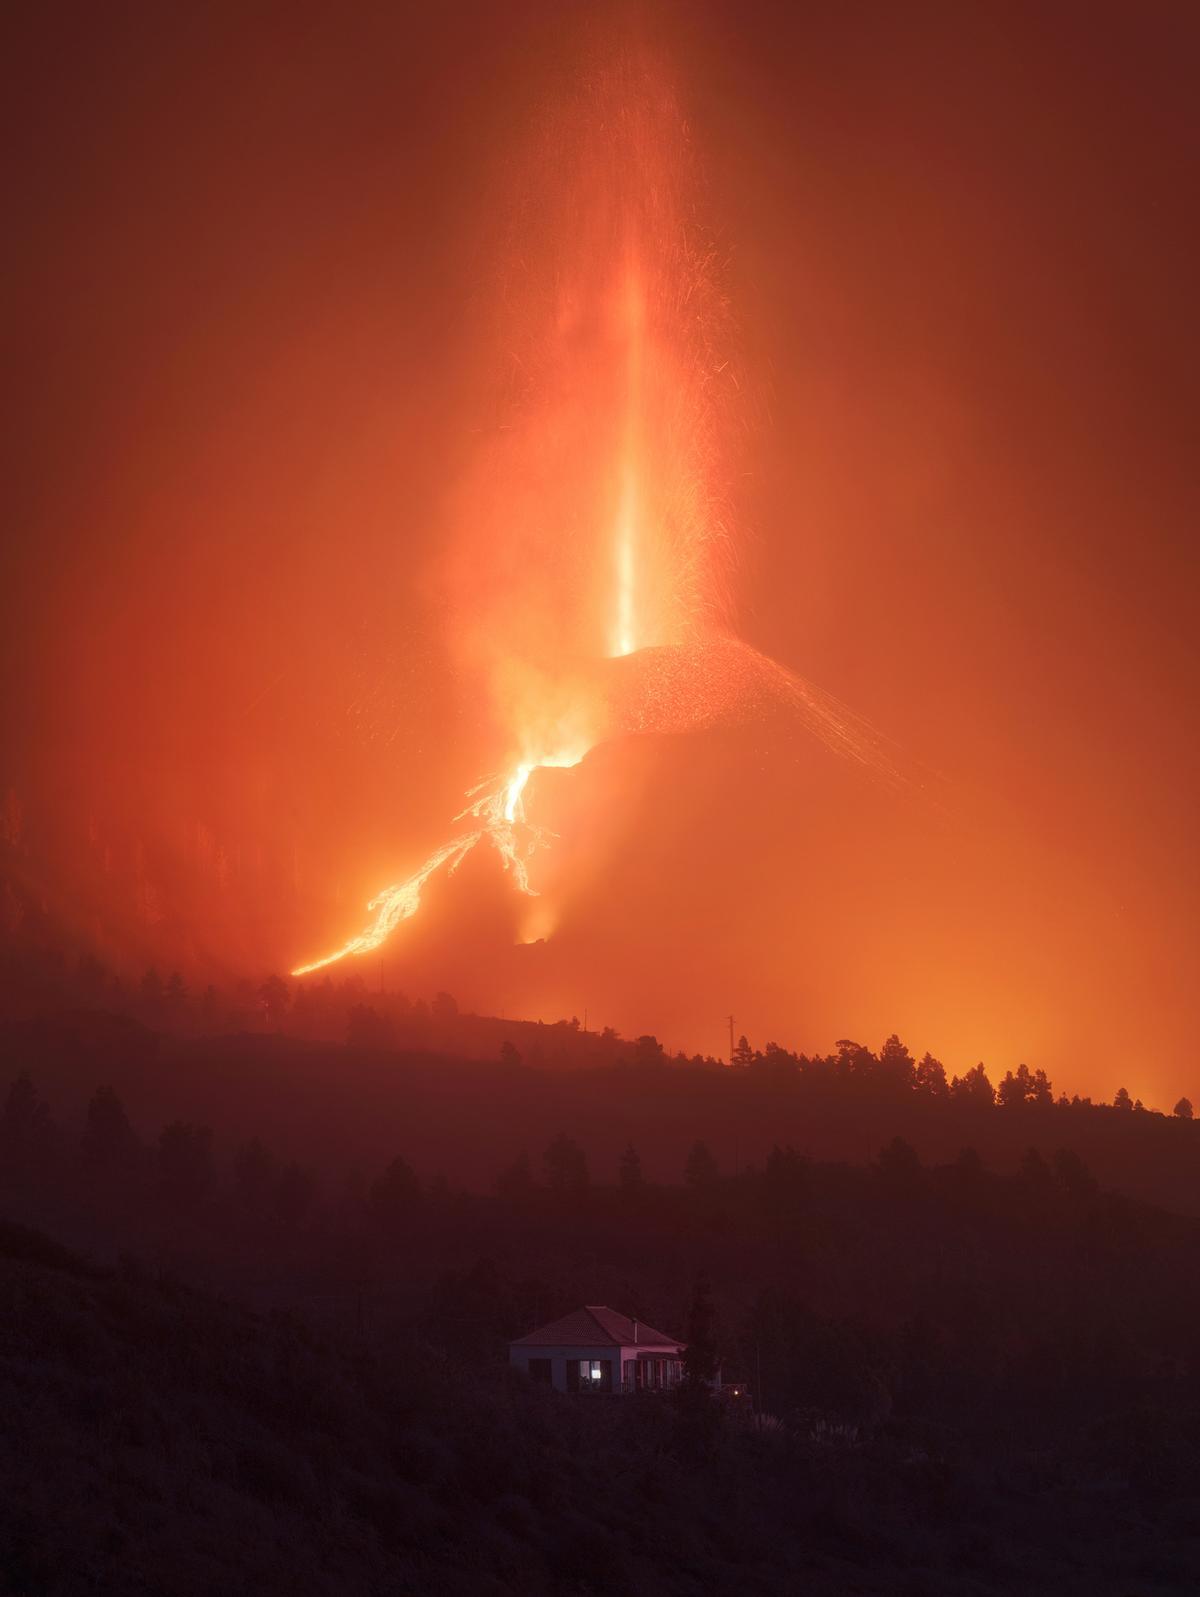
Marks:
<point>258,1287</point>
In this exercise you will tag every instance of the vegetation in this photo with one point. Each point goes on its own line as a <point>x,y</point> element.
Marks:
<point>256,1290</point>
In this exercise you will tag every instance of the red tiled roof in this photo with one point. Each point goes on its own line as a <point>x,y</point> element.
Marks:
<point>595,1326</point>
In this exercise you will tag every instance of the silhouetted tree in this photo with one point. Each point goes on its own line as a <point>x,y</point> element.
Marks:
<point>26,1130</point>
<point>1122,1099</point>
<point>294,1194</point>
<point>647,1051</point>
<point>700,1168</point>
<point>701,1360</point>
<point>968,1173</point>
<point>1011,1090</point>
<point>1035,1173</point>
<point>565,1165</point>
<point>631,1171</point>
<point>443,1008</point>
<point>853,1061</point>
<point>516,1182</point>
<point>110,1145</point>
<point>974,1087</point>
<point>776,1062</point>
<point>743,1054</point>
<point>152,989</point>
<point>1024,1087</point>
<point>785,1183</point>
<point>1183,1109</point>
<point>253,1175</point>
<point>91,976</point>
<point>509,1055</point>
<point>273,996</point>
<point>185,1164</point>
<point>472,1312</point>
<point>175,992</point>
<point>899,1168</point>
<point>19,1112</point>
<point>895,1068</point>
<point>929,1077</point>
<point>395,1195</point>
<point>1073,1175</point>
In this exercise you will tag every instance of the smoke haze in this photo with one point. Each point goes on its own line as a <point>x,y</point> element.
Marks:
<point>269,322</point>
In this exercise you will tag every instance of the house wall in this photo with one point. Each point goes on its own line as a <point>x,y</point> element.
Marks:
<point>520,1358</point>
<point>651,1350</point>
<point>558,1356</point>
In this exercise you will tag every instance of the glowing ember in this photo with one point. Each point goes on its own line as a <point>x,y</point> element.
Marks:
<point>617,448</point>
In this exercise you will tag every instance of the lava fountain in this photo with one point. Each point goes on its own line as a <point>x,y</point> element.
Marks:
<point>597,604</point>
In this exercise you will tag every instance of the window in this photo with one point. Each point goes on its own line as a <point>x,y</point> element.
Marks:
<point>589,1375</point>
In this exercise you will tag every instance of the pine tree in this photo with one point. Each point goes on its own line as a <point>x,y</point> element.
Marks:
<point>701,1360</point>
<point>631,1177</point>
<point>929,1077</point>
<point>566,1166</point>
<point>895,1067</point>
<point>700,1171</point>
<point>253,1173</point>
<point>395,1195</point>
<point>516,1182</point>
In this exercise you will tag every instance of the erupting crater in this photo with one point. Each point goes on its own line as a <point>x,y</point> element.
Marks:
<point>603,497</point>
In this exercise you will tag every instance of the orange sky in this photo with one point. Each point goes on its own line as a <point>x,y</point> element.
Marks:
<point>253,317</point>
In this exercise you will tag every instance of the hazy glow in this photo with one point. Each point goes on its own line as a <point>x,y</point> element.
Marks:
<point>353,488</point>
<point>628,340</point>
<point>623,640</point>
<point>512,794</point>
<point>633,332</point>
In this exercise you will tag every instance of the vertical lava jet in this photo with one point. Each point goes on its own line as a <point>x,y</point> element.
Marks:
<point>588,585</point>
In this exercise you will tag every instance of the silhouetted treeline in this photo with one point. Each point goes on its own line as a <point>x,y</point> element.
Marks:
<point>341,1007</point>
<point>336,1108</point>
<point>959,1381</point>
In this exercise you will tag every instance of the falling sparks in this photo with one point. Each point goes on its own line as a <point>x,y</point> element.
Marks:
<point>622,438</point>
<point>632,316</point>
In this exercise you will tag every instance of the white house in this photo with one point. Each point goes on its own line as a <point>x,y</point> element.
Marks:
<point>595,1349</point>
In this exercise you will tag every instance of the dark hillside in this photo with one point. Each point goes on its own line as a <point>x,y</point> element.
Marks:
<point>159,1440</point>
<point>344,1107</point>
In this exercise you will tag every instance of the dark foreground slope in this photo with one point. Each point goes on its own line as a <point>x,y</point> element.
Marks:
<point>158,1440</point>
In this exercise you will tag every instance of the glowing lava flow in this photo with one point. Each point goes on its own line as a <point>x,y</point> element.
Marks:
<point>671,689</point>
<point>599,526</point>
<point>499,807</point>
